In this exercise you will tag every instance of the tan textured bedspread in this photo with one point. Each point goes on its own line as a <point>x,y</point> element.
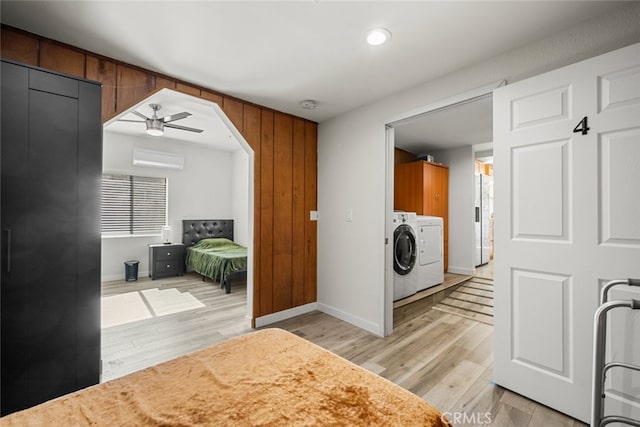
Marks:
<point>266,378</point>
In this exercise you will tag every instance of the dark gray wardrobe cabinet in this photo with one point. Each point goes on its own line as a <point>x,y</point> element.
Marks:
<point>51,140</point>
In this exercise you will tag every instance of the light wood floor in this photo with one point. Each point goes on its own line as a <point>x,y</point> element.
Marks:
<point>485,271</point>
<point>133,346</point>
<point>444,358</point>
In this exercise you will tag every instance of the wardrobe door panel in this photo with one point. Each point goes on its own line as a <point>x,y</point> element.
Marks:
<point>53,165</point>
<point>88,235</point>
<point>15,260</point>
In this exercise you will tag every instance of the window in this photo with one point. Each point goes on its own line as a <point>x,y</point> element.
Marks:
<point>133,204</point>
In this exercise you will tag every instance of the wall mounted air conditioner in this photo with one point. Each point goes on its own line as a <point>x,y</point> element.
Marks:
<point>157,159</point>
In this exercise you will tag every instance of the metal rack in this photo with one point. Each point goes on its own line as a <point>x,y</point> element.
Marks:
<point>600,366</point>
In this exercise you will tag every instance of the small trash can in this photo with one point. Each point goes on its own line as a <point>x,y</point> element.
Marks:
<point>131,270</point>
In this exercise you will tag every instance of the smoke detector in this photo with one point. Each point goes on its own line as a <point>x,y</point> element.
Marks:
<point>308,104</point>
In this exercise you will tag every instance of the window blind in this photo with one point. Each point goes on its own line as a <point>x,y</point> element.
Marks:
<point>133,204</point>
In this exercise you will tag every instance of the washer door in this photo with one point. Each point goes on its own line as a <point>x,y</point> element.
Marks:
<point>405,249</point>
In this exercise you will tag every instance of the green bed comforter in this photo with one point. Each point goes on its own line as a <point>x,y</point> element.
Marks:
<point>216,258</point>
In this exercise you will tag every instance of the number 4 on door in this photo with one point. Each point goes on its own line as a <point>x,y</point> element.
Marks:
<point>582,126</point>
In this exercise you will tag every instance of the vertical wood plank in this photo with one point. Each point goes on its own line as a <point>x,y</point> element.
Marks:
<point>19,47</point>
<point>233,110</point>
<point>283,210</point>
<point>252,129</point>
<point>310,202</point>
<point>104,71</point>
<point>62,59</point>
<point>188,89</point>
<point>210,96</point>
<point>162,83</point>
<point>132,86</point>
<point>298,245</point>
<point>266,215</point>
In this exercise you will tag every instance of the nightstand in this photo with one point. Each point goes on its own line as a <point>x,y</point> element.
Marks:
<point>166,260</point>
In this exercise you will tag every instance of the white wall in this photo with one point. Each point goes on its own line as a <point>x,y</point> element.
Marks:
<point>461,208</point>
<point>240,203</point>
<point>351,162</point>
<point>203,189</point>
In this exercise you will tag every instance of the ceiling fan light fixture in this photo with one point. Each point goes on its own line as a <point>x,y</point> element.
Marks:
<point>155,125</point>
<point>378,36</point>
<point>155,128</point>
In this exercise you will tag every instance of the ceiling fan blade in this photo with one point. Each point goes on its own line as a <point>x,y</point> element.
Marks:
<point>182,128</point>
<point>132,121</point>
<point>140,115</point>
<point>175,117</point>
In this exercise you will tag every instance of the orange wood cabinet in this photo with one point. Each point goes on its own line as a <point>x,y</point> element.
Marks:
<point>423,187</point>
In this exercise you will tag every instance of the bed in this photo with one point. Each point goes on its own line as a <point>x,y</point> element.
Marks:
<point>269,378</point>
<point>211,252</point>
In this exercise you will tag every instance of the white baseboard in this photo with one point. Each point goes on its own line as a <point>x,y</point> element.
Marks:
<point>374,328</point>
<point>285,314</point>
<point>461,270</point>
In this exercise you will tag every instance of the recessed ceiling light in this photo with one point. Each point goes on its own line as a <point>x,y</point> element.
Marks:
<point>309,104</point>
<point>378,36</point>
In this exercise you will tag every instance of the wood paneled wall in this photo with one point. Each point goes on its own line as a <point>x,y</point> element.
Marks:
<point>285,148</point>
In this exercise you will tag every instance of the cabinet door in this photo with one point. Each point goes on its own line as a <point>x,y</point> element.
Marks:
<point>437,189</point>
<point>408,184</point>
<point>429,176</point>
<point>15,261</point>
<point>88,234</point>
<point>50,273</point>
<point>52,220</point>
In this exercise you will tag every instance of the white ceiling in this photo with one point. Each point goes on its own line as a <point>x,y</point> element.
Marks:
<point>277,54</point>
<point>205,115</point>
<point>460,125</point>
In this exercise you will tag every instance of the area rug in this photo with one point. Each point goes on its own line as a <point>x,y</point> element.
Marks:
<point>169,301</point>
<point>123,308</point>
<point>473,299</point>
<point>134,306</point>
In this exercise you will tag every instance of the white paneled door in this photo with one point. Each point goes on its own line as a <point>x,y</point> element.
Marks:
<point>567,185</point>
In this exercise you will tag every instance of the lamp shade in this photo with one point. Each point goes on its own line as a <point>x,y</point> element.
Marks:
<point>166,234</point>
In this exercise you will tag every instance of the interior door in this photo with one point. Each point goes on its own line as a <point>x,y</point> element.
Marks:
<point>567,156</point>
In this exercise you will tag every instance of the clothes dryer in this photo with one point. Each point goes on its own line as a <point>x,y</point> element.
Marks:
<point>430,265</point>
<point>405,255</point>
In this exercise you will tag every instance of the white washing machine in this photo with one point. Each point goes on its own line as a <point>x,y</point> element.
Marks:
<point>405,255</point>
<point>429,267</point>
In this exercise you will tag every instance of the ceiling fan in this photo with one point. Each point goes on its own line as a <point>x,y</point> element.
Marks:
<point>156,125</point>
